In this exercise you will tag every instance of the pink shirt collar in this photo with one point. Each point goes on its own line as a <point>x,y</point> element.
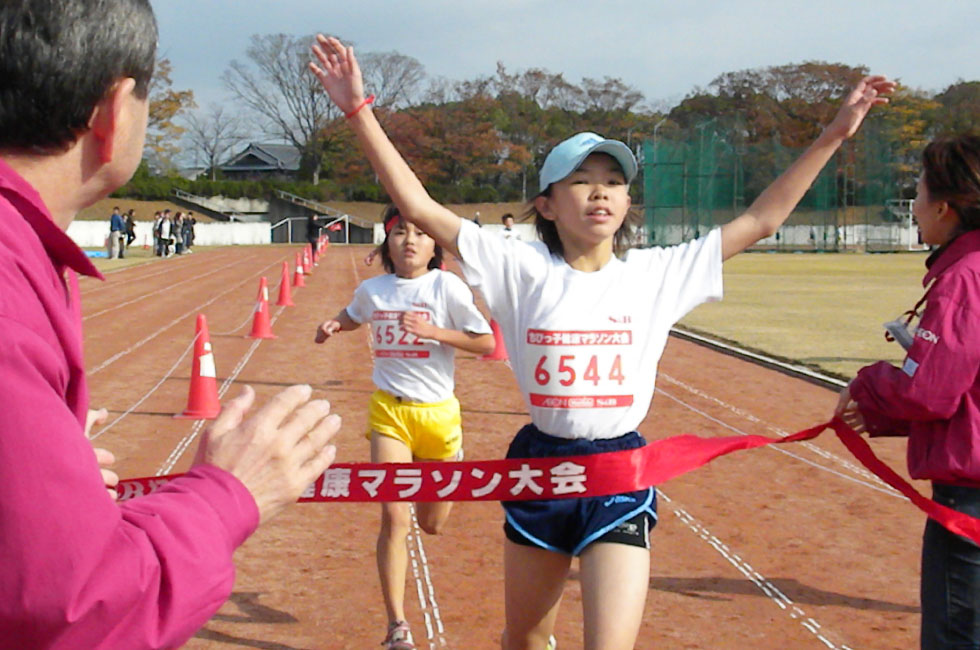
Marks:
<point>60,248</point>
<point>966,243</point>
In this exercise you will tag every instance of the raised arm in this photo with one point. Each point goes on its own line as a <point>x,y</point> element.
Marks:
<point>768,212</point>
<point>340,75</point>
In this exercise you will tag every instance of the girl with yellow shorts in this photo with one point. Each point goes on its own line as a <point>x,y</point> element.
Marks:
<point>418,315</point>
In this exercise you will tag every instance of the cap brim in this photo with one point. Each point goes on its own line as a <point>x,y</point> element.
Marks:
<point>620,152</point>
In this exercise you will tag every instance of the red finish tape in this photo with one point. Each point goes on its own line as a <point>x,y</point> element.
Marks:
<point>518,479</point>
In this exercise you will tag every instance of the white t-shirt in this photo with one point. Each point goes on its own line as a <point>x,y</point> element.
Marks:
<point>585,346</point>
<point>419,370</point>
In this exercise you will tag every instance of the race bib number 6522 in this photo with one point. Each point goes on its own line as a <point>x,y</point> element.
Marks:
<point>393,342</point>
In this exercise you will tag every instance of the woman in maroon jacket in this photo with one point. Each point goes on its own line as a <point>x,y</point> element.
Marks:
<point>934,398</point>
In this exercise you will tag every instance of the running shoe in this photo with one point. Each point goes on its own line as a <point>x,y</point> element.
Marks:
<point>552,643</point>
<point>399,637</point>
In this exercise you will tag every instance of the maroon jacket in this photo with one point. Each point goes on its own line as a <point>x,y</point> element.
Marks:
<point>76,569</point>
<point>935,397</point>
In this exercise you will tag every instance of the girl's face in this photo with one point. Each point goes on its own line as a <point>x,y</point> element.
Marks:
<point>935,219</point>
<point>411,249</point>
<point>589,205</point>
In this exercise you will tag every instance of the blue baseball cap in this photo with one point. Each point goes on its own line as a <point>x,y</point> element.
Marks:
<point>568,155</point>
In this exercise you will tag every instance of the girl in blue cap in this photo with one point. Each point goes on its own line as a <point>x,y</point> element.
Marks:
<point>584,330</point>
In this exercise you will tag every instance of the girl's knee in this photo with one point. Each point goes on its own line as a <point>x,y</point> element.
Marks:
<point>395,521</point>
<point>432,518</point>
<point>432,526</point>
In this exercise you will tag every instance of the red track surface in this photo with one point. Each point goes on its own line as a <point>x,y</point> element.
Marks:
<point>789,547</point>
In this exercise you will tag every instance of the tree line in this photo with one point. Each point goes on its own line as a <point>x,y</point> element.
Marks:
<point>484,139</point>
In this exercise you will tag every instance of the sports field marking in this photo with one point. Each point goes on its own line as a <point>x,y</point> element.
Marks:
<point>136,405</point>
<point>884,490</point>
<point>843,462</point>
<point>760,581</point>
<point>169,267</point>
<point>167,376</point>
<point>421,571</point>
<point>144,296</point>
<point>186,441</point>
<point>135,346</point>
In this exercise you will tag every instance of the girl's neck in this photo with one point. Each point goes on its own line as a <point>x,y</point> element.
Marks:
<point>588,259</point>
<point>411,274</point>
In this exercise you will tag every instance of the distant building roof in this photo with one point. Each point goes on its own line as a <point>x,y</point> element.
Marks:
<point>264,158</point>
<point>191,173</point>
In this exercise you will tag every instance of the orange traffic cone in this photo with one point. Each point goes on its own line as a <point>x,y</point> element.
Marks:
<point>500,350</point>
<point>298,280</point>
<point>202,397</point>
<point>285,295</point>
<point>261,329</point>
<point>307,265</point>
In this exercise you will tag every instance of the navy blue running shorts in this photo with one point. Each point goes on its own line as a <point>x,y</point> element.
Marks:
<point>569,525</point>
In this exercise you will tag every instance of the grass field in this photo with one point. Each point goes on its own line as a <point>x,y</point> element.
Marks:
<point>824,310</point>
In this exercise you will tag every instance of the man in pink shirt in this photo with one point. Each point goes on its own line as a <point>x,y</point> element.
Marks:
<point>78,570</point>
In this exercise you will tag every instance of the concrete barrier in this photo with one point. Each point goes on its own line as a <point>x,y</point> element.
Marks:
<point>92,234</point>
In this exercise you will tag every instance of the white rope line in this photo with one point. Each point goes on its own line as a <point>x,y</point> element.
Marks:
<point>249,317</point>
<point>165,377</point>
<point>245,322</point>
<point>108,362</point>
<point>186,441</point>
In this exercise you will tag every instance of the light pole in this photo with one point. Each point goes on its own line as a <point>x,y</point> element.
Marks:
<point>656,127</point>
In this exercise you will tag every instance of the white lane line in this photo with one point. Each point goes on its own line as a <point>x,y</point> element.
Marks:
<point>756,578</point>
<point>136,405</point>
<point>186,441</point>
<point>857,469</point>
<point>434,627</point>
<point>162,289</point>
<point>111,360</point>
<point>875,483</point>
<point>106,286</point>
<point>887,490</point>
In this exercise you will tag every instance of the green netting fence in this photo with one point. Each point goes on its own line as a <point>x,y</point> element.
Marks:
<point>707,175</point>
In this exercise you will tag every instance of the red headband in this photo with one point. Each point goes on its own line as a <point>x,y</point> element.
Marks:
<point>391,223</point>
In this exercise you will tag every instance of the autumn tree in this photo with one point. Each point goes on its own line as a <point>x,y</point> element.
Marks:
<point>166,106</point>
<point>959,108</point>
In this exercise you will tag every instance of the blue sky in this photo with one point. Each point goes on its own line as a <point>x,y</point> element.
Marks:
<point>665,49</point>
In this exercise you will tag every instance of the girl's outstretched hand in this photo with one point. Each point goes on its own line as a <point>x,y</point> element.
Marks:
<point>856,105</point>
<point>338,72</point>
<point>326,329</point>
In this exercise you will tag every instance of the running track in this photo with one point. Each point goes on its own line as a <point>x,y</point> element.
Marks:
<point>783,547</point>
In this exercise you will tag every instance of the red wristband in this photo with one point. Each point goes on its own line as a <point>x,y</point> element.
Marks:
<point>367,100</point>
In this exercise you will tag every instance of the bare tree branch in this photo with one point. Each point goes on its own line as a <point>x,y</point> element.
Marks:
<point>213,134</point>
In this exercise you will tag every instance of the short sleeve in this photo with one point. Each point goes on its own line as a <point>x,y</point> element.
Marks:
<point>359,308</point>
<point>501,269</point>
<point>463,314</point>
<point>689,273</point>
